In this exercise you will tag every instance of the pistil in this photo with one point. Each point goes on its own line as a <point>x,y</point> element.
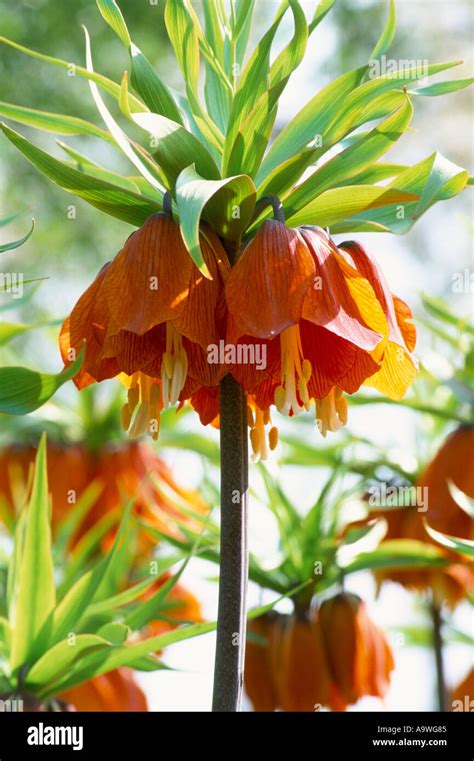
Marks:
<point>174,367</point>
<point>331,411</point>
<point>292,397</point>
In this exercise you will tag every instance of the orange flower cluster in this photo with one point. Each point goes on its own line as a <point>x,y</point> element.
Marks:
<point>328,657</point>
<point>113,692</point>
<point>451,465</point>
<point>123,471</point>
<point>324,315</point>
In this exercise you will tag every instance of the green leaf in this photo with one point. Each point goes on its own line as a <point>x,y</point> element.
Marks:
<point>334,111</point>
<point>10,330</point>
<point>144,78</point>
<point>74,604</point>
<point>354,159</point>
<point>114,632</point>
<point>15,563</point>
<point>387,35</point>
<point>102,662</point>
<point>244,11</point>
<point>23,390</point>
<point>432,179</point>
<point>113,16</point>
<point>112,88</point>
<point>176,148</point>
<point>111,199</point>
<point>120,137</point>
<point>61,124</point>
<point>308,123</point>
<point>17,243</point>
<point>250,141</point>
<point>217,95</point>
<point>184,30</point>
<point>215,201</point>
<point>337,204</point>
<point>60,658</point>
<point>252,83</point>
<point>112,604</point>
<point>150,87</point>
<point>323,7</point>
<point>86,165</point>
<point>462,546</point>
<point>442,88</point>
<point>398,554</point>
<point>461,498</point>
<point>31,617</point>
<point>441,173</point>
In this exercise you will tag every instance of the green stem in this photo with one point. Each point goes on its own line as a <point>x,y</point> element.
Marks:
<point>439,659</point>
<point>231,618</point>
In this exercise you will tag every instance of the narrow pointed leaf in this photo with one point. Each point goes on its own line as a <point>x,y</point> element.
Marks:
<point>111,199</point>
<point>31,616</point>
<point>23,390</point>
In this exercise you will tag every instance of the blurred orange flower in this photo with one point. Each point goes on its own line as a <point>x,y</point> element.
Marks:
<point>330,656</point>
<point>359,656</point>
<point>121,471</point>
<point>115,691</point>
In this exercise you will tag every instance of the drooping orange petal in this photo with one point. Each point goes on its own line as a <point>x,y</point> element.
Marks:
<point>133,352</point>
<point>396,374</point>
<point>88,322</point>
<point>341,299</point>
<point>405,322</point>
<point>334,361</point>
<point>148,281</point>
<point>398,368</point>
<point>199,318</point>
<point>259,676</point>
<point>265,289</point>
<point>452,463</point>
<point>206,403</point>
<point>305,680</point>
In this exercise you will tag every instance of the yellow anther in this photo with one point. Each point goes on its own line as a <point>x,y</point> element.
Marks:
<point>250,417</point>
<point>273,438</point>
<point>168,362</point>
<point>125,417</point>
<point>307,370</point>
<point>331,412</point>
<point>154,394</point>
<point>133,397</point>
<point>255,441</point>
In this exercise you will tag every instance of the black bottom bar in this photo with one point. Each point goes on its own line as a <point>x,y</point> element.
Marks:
<point>366,735</point>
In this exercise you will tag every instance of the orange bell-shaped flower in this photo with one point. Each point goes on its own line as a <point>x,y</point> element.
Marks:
<point>115,691</point>
<point>359,657</point>
<point>451,466</point>
<point>150,314</point>
<point>304,683</point>
<point>325,325</point>
<point>262,661</point>
<point>462,697</point>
